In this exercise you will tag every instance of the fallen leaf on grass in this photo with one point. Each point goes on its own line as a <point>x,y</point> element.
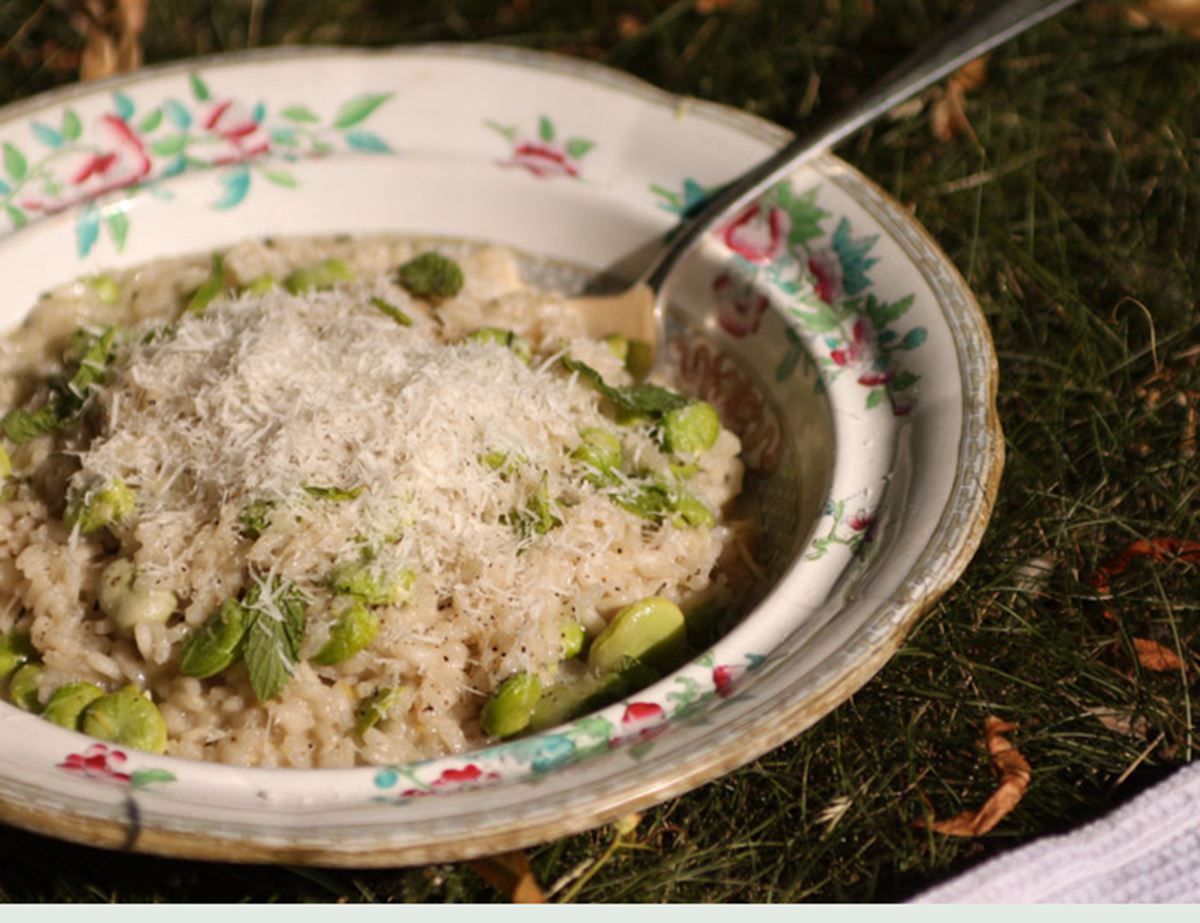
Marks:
<point>948,117</point>
<point>1120,721</point>
<point>1157,549</point>
<point>1183,15</point>
<point>1014,773</point>
<point>510,874</point>
<point>1154,656</point>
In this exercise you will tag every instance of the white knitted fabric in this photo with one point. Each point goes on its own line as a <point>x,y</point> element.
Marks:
<point>1147,851</point>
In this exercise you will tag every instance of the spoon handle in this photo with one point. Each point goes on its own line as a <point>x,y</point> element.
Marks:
<point>990,23</point>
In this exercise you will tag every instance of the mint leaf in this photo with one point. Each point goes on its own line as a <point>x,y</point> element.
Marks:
<point>274,637</point>
<point>638,400</point>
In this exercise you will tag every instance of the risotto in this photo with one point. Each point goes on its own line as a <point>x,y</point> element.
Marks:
<point>328,502</point>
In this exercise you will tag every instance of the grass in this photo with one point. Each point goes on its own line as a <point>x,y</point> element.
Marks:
<point>1074,217</point>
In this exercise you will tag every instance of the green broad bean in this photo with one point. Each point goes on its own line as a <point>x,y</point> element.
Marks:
<point>99,507</point>
<point>107,289</point>
<point>688,512</point>
<point>68,702</point>
<point>617,345</point>
<point>259,286</point>
<point>651,630</point>
<point>564,702</point>
<point>691,429</point>
<point>130,603</point>
<point>372,581</point>
<point>640,359</point>
<point>15,650</point>
<point>128,718</point>
<point>217,643</point>
<point>511,706</point>
<point>574,637</point>
<point>318,277</point>
<point>599,450</point>
<point>431,276</point>
<point>683,471</point>
<point>518,344</point>
<point>375,708</point>
<point>23,688</point>
<point>537,517</point>
<point>209,289</point>
<point>5,463</point>
<point>354,630</point>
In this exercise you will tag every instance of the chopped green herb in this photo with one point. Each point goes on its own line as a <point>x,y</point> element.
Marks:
<point>209,289</point>
<point>431,276</point>
<point>537,517</point>
<point>98,507</point>
<point>600,453</point>
<point>375,708</point>
<point>255,518</point>
<point>93,354</point>
<point>392,311</point>
<point>336,494</point>
<point>658,500</point>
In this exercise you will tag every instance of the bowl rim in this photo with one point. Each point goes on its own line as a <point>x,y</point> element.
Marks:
<point>936,568</point>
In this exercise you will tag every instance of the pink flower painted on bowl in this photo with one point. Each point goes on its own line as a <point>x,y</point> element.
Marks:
<point>98,762</point>
<point>740,307</point>
<point>826,270</point>
<point>641,721</point>
<point>545,156</point>
<point>724,678</point>
<point>759,233</point>
<point>454,779</point>
<point>116,159</point>
<point>543,160</point>
<point>244,136</point>
<point>864,523</point>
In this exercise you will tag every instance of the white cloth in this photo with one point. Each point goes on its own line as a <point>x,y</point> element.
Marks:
<point>1147,851</point>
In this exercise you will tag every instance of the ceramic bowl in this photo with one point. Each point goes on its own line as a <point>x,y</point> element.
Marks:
<point>833,335</point>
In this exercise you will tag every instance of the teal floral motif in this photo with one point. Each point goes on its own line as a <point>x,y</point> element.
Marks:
<point>96,167</point>
<point>635,726</point>
<point>545,155</point>
<point>781,243</point>
<point>854,531</point>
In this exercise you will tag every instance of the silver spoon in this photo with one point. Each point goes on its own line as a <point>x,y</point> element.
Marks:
<point>638,312</point>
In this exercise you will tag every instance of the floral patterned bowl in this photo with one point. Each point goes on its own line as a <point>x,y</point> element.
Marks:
<point>834,336</point>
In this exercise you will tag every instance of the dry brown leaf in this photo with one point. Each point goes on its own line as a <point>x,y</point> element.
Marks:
<point>947,116</point>
<point>1014,773</point>
<point>1156,657</point>
<point>1121,721</point>
<point>1182,15</point>
<point>510,874</point>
